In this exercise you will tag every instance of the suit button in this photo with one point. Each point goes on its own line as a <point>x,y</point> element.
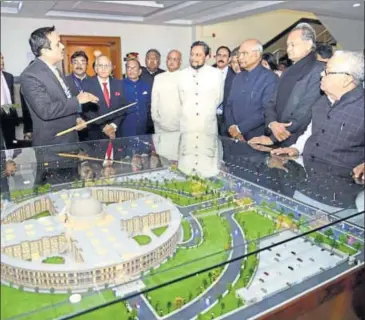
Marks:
<point>197,94</point>
<point>197,83</point>
<point>313,157</point>
<point>323,131</point>
<point>197,113</point>
<point>328,117</point>
<point>291,114</point>
<point>317,144</point>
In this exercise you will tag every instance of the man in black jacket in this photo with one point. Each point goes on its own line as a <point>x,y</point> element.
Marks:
<point>336,133</point>
<point>152,68</point>
<point>289,112</point>
<point>9,116</point>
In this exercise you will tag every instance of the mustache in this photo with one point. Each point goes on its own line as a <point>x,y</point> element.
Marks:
<point>220,61</point>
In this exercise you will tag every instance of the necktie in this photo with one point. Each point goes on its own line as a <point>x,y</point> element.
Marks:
<point>64,86</point>
<point>109,152</point>
<point>106,94</point>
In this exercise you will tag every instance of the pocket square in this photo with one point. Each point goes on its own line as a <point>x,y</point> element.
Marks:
<point>145,92</point>
<point>117,94</point>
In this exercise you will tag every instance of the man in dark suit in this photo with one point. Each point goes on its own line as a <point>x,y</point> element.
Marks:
<point>223,59</point>
<point>290,110</point>
<point>110,93</point>
<point>251,92</point>
<point>152,68</point>
<point>336,133</point>
<point>52,107</point>
<point>9,116</point>
<point>76,80</point>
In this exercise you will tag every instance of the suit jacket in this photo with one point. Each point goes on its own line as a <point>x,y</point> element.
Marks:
<point>73,87</point>
<point>297,110</point>
<point>90,110</point>
<point>146,76</point>
<point>10,81</point>
<point>50,109</point>
<point>27,119</point>
<point>250,95</point>
<point>227,90</point>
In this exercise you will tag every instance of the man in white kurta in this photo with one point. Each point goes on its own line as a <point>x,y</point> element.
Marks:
<point>201,92</point>
<point>165,106</point>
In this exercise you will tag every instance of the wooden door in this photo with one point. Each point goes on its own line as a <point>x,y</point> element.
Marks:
<point>109,46</point>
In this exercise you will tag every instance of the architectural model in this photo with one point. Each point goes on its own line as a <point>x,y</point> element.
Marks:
<point>118,235</point>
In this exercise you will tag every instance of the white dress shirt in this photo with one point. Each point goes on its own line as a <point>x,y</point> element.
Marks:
<point>300,143</point>
<point>63,84</point>
<point>5,92</point>
<point>201,92</point>
<point>165,105</point>
<point>224,73</point>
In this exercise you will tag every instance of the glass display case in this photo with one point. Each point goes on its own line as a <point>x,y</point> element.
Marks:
<point>174,226</point>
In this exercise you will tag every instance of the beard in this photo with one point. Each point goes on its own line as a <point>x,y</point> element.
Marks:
<point>197,67</point>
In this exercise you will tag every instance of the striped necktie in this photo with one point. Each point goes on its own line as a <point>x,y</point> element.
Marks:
<point>64,86</point>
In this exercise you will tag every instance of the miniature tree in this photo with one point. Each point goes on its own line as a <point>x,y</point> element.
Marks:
<point>205,283</point>
<point>190,296</point>
<point>229,287</point>
<point>329,233</point>
<point>199,316</point>
<point>179,302</point>
<point>210,276</point>
<point>343,239</point>
<point>169,305</point>
<point>220,297</point>
<point>318,239</point>
<point>357,246</point>
<point>134,314</point>
<point>291,216</point>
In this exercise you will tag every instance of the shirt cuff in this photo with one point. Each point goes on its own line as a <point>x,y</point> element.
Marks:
<point>295,146</point>
<point>238,129</point>
<point>79,109</point>
<point>114,126</point>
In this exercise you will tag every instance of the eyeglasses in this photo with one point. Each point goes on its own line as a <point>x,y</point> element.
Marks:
<point>327,73</point>
<point>103,66</point>
<point>245,53</point>
<point>78,63</point>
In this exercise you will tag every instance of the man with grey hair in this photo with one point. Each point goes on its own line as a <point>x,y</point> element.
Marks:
<point>289,112</point>
<point>250,94</point>
<point>336,133</point>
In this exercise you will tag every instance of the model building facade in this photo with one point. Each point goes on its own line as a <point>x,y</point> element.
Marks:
<point>95,241</point>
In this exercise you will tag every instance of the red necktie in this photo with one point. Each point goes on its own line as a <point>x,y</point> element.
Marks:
<point>106,94</point>
<point>109,151</point>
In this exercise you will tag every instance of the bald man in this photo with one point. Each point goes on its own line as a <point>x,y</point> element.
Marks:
<point>110,92</point>
<point>250,94</point>
<point>166,105</point>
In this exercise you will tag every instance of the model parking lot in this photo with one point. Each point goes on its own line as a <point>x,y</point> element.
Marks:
<point>286,265</point>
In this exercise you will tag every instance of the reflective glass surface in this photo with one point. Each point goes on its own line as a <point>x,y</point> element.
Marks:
<point>175,226</point>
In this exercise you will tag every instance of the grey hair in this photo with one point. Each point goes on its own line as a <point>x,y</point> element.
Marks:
<point>352,63</point>
<point>308,33</point>
<point>258,47</point>
<point>235,51</point>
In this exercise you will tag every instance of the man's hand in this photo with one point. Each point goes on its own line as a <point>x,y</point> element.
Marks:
<point>28,136</point>
<point>291,152</point>
<point>279,130</point>
<point>10,168</point>
<point>80,124</point>
<point>359,173</point>
<point>278,163</point>
<point>233,131</point>
<point>110,131</point>
<point>86,97</point>
<point>263,140</point>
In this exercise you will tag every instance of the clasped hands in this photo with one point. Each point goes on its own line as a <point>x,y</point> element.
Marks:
<point>110,131</point>
<point>235,133</point>
<point>279,131</point>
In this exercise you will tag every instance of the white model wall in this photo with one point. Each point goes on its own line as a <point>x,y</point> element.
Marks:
<point>134,37</point>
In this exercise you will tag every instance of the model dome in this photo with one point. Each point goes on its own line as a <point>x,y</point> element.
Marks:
<point>84,205</point>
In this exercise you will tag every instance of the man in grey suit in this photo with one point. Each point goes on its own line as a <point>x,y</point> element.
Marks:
<point>52,107</point>
<point>289,111</point>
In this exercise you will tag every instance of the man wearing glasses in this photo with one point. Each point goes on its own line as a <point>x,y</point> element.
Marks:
<point>79,62</point>
<point>336,133</point>
<point>110,92</point>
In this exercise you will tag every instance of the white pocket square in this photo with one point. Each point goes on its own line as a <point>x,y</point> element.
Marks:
<point>145,92</point>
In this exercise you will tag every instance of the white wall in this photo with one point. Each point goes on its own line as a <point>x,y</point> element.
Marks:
<point>134,37</point>
<point>348,33</point>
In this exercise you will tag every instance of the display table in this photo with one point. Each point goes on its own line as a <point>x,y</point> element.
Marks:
<point>178,226</point>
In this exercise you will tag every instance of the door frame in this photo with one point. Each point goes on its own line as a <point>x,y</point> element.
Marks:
<point>113,42</point>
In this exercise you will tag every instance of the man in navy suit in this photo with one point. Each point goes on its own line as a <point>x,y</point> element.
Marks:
<point>223,59</point>
<point>111,97</point>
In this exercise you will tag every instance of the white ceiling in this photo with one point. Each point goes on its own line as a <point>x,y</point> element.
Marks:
<point>172,12</point>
